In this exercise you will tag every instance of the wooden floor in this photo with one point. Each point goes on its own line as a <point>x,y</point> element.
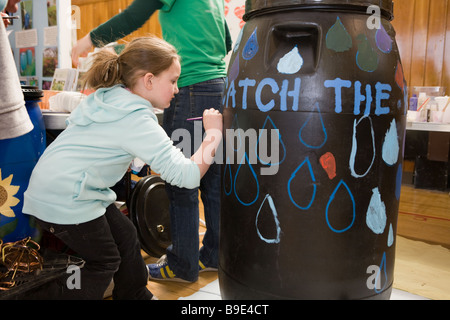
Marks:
<point>423,245</point>
<point>422,263</point>
<point>424,215</point>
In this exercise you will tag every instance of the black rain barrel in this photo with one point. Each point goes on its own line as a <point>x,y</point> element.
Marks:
<point>314,119</point>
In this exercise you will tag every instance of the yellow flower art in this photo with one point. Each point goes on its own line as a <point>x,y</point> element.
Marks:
<point>7,199</point>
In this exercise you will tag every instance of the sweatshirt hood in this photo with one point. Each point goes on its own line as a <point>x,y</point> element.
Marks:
<point>107,105</point>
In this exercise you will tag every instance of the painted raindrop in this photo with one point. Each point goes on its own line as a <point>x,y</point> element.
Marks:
<point>338,39</point>
<point>262,139</point>
<point>300,171</point>
<point>391,147</point>
<point>309,135</point>
<point>328,163</point>
<point>390,236</point>
<point>340,205</point>
<point>244,187</point>
<point>251,47</point>
<point>227,178</point>
<point>382,271</point>
<point>291,62</point>
<point>366,57</point>
<point>355,148</point>
<point>383,40</point>
<point>273,210</point>
<point>376,213</point>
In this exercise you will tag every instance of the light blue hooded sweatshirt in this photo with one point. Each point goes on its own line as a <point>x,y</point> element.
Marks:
<point>71,181</point>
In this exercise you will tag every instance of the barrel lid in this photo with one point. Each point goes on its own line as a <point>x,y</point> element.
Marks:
<point>260,6</point>
<point>32,92</point>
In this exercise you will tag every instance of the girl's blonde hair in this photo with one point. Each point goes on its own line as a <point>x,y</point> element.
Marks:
<point>142,55</point>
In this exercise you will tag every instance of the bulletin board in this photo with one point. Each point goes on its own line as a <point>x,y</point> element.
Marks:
<point>41,40</point>
<point>234,11</point>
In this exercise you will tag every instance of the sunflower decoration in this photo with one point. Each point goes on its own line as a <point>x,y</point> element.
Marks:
<point>7,199</point>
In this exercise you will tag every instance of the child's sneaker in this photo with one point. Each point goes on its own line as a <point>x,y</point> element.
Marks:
<point>203,268</point>
<point>161,271</point>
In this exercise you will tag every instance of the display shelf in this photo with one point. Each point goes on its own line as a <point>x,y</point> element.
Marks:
<point>57,120</point>
<point>428,126</point>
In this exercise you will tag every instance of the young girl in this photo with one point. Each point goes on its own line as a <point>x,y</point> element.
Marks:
<point>69,191</point>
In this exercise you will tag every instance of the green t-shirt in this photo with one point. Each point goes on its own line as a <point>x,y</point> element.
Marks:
<point>197,29</point>
<point>198,32</point>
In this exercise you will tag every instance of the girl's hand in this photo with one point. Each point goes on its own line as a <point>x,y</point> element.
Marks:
<point>5,21</point>
<point>204,156</point>
<point>212,119</point>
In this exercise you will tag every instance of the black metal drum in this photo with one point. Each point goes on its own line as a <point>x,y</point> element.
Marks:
<point>149,211</point>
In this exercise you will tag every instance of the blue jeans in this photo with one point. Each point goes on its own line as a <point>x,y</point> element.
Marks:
<point>183,255</point>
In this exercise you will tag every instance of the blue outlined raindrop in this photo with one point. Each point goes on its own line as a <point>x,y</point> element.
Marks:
<point>311,127</point>
<point>280,145</point>
<point>381,270</point>
<point>245,162</point>
<point>251,47</point>
<point>331,200</point>
<point>298,173</point>
<point>227,174</point>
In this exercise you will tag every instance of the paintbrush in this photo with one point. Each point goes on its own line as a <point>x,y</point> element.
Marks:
<point>423,104</point>
<point>10,17</point>
<point>448,102</point>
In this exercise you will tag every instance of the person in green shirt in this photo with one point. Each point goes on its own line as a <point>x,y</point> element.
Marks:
<point>199,32</point>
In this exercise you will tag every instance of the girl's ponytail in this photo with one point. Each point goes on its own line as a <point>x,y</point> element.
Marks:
<point>140,56</point>
<point>104,71</point>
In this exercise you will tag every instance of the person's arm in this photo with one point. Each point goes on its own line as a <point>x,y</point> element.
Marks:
<point>149,142</point>
<point>124,23</point>
<point>204,156</point>
<point>14,119</point>
<point>119,26</point>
